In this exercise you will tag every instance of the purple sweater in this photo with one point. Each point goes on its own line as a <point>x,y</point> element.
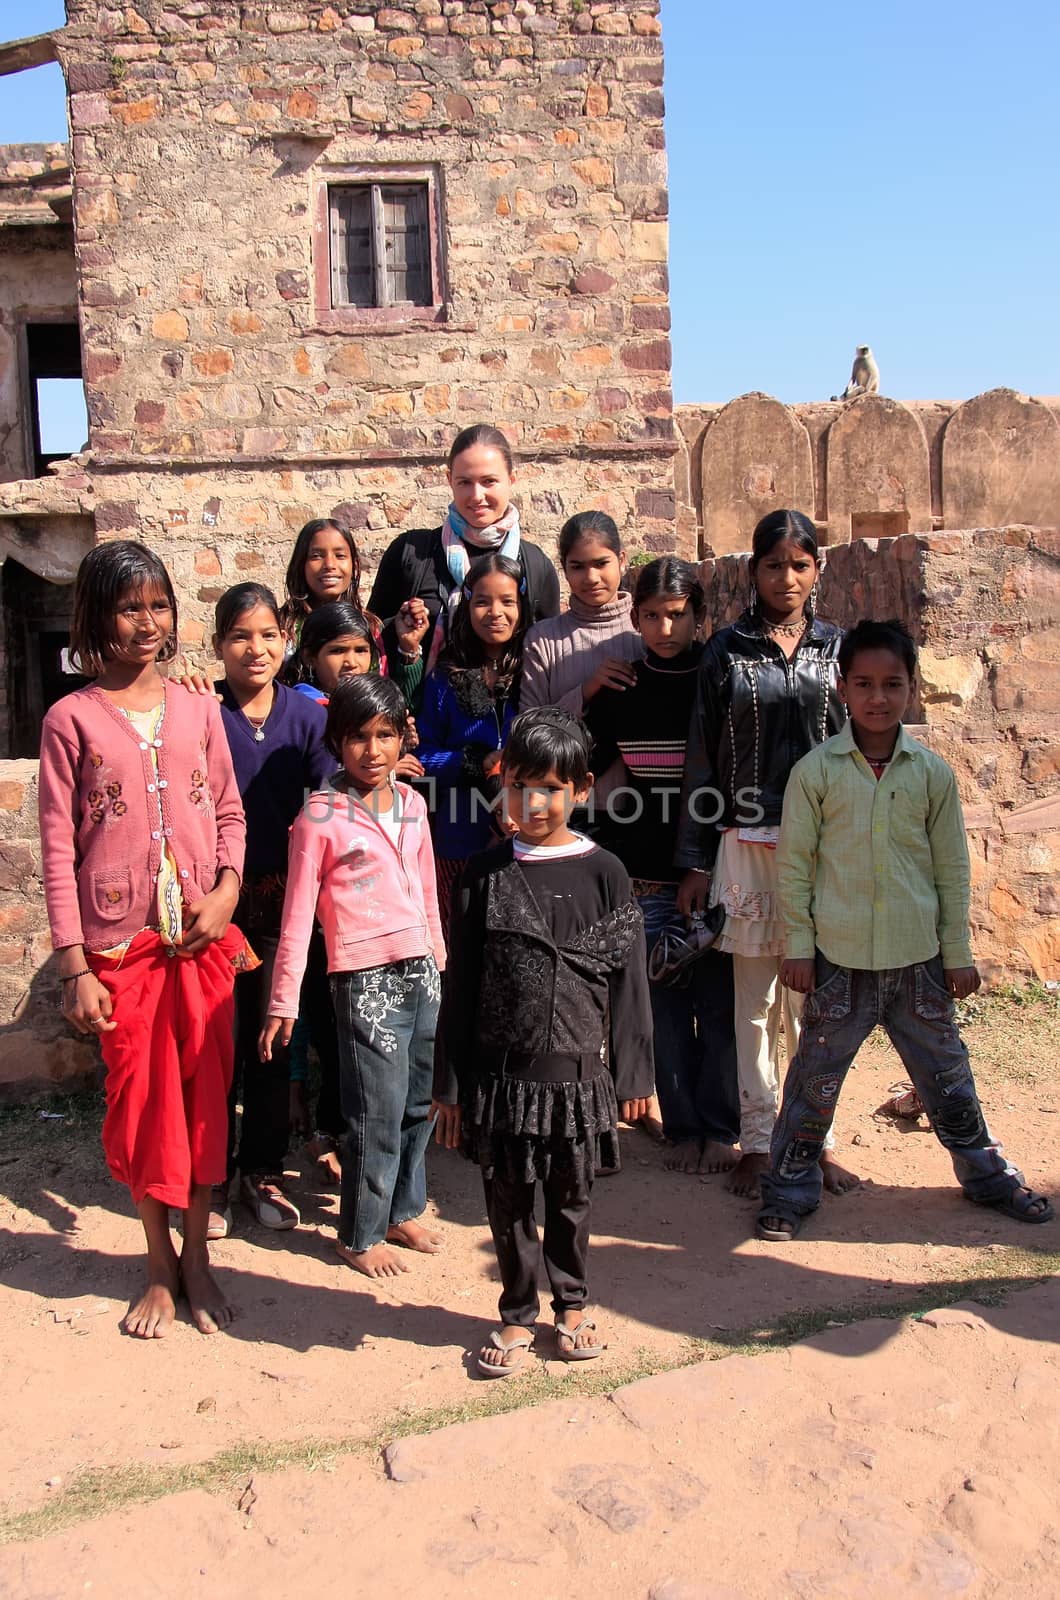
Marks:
<point>277,773</point>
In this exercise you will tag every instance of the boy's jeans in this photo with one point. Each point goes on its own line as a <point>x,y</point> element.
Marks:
<point>695,1047</point>
<point>386,1018</point>
<point>915,1010</point>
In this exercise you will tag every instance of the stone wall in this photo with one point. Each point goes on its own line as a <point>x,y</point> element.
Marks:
<point>36,1046</point>
<point>38,281</point>
<point>984,608</point>
<point>867,467</point>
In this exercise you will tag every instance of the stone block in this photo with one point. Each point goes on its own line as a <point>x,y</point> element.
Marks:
<point>170,325</point>
<point>999,462</point>
<point>877,471</point>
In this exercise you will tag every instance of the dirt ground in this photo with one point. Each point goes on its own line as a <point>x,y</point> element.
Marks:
<point>320,1357</point>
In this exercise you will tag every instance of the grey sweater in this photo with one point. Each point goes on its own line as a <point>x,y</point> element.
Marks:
<point>562,652</point>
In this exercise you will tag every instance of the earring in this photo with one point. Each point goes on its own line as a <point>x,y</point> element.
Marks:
<point>752,600</point>
<point>811,604</point>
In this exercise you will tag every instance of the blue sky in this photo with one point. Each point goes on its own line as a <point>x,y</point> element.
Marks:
<point>839,174</point>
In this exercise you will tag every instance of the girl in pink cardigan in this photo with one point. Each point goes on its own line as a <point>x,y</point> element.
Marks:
<point>142,836</point>
<point>361,863</point>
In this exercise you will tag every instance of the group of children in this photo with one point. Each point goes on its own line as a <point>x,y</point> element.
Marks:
<point>445,838</point>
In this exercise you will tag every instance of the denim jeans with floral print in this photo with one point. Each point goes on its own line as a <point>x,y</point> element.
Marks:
<point>386,1018</point>
<point>913,1007</point>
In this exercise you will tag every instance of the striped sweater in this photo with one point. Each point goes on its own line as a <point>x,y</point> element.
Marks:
<point>647,726</point>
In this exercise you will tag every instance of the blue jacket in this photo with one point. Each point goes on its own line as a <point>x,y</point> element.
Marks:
<point>459,723</point>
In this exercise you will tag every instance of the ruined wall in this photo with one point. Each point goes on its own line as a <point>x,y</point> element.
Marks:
<point>38,281</point>
<point>867,468</point>
<point>229,401</point>
<point>984,608</point>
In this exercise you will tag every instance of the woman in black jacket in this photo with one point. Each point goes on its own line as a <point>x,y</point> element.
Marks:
<point>430,564</point>
<point>766,695</point>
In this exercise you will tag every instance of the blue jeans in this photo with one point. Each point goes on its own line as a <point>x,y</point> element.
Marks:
<point>386,1019</point>
<point>695,1043</point>
<point>915,1010</point>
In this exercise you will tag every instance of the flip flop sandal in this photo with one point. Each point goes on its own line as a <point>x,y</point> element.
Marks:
<point>522,1346</point>
<point>567,1346</point>
<point>787,1229</point>
<point>1017,1204</point>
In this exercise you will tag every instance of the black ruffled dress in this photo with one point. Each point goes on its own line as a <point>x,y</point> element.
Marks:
<point>546,1020</point>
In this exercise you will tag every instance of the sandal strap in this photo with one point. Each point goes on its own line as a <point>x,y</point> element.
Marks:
<point>525,1341</point>
<point>585,1325</point>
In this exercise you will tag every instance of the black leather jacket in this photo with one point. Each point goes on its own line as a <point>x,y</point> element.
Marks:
<point>755,715</point>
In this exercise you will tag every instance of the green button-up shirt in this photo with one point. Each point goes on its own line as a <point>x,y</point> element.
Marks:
<point>874,874</point>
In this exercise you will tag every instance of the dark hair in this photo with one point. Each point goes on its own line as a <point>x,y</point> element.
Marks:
<point>593,524</point>
<point>670,578</point>
<point>868,635</point>
<point>480,433</point>
<point>356,701</point>
<point>547,739</point>
<point>107,575</point>
<point>334,620</point>
<point>780,525</point>
<point>237,601</point>
<point>298,603</point>
<point>465,651</point>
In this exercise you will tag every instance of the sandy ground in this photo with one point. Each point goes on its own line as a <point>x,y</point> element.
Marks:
<point>319,1352</point>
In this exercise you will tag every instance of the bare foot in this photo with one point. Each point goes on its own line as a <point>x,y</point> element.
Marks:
<point>414,1236</point>
<point>152,1315</point>
<point>743,1179</point>
<point>683,1157</point>
<point>375,1262</point>
<point>507,1350</point>
<point>576,1336</point>
<point>717,1157</point>
<point>837,1179</point>
<point>209,1309</point>
<point>652,1122</point>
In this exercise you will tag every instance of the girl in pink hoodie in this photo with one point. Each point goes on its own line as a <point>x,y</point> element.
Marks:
<point>362,864</point>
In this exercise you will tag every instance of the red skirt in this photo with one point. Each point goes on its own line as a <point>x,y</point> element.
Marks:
<point>169,1064</point>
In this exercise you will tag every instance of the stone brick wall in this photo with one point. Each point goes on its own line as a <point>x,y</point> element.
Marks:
<point>868,467</point>
<point>984,608</point>
<point>228,403</point>
<point>36,1046</point>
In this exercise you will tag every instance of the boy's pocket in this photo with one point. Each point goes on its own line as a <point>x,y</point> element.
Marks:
<point>831,1000</point>
<point>932,1001</point>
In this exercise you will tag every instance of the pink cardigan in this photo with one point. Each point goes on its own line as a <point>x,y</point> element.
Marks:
<point>375,897</point>
<point>99,816</point>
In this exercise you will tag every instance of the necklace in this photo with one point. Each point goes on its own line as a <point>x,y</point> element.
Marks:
<point>258,723</point>
<point>789,630</point>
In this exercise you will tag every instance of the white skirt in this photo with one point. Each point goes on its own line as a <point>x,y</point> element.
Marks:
<point>745,883</point>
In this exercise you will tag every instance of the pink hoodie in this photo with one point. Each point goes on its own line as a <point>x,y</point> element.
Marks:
<point>375,897</point>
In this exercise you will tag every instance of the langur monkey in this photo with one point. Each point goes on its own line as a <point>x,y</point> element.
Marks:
<point>864,375</point>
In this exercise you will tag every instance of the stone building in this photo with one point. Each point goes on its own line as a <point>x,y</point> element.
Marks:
<point>306,244</point>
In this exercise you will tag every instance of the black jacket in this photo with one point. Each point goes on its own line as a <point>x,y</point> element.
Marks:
<point>755,715</point>
<point>414,564</point>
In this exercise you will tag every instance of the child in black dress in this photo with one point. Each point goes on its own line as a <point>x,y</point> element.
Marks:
<point>545,1028</point>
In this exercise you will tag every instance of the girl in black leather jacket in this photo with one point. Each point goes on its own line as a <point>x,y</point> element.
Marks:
<point>766,695</point>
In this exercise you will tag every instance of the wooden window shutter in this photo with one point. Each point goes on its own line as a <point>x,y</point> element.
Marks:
<point>407,244</point>
<point>351,246</point>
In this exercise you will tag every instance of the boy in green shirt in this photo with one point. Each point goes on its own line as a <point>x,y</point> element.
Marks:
<point>874,889</point>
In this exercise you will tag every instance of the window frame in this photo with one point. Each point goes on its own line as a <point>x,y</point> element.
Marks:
<point>363,175</point>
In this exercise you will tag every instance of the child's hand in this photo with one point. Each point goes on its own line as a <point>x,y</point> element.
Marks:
<point>297,1110</point>
<point>409,767</point>
<point>962,981</point>
<point>194,682</point>
<point>693,893</point>
<point>799,975</point>
<point>87,1006</point>
<point>633,1110</point>
<point>206,920</point>
<point>447,1124</point>
<point>613,673</point>
<point>412,737</point>
<point>410,625</point>
<point>284,1026</point>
